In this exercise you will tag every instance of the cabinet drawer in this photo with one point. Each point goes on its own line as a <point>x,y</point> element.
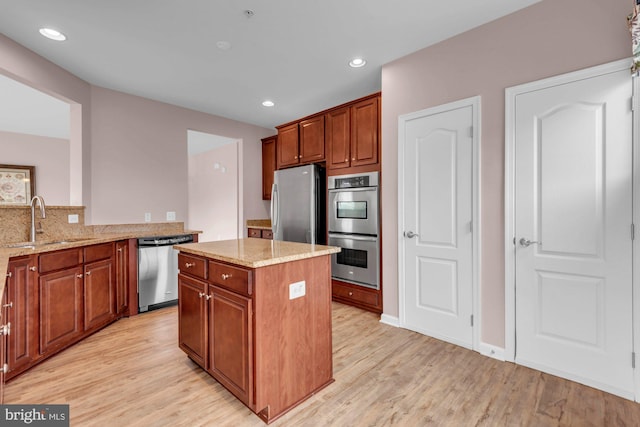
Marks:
<point>97,252</point>
<point>255,232</point>
<point>58,260</point>
<point>267,234</point>
<point>192,265</point>
<point>355,293</point>
<point>232,278</point>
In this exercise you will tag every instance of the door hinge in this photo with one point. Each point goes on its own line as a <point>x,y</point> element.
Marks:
<point>470,131</point>
<point>633,360</point>
<point>633,231</point>
<point>472,320</point>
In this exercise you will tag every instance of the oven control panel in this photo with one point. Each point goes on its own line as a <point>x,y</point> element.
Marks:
<point>353,181</point>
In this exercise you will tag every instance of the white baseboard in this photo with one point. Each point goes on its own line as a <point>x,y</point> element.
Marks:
<point>492,351</point>
<point>390,320</point>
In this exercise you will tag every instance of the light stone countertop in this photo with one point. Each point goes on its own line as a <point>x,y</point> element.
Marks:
<point>254,253</point>
<point>123,232</point>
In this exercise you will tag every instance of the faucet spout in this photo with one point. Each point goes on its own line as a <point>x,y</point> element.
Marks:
<point>43,214</point>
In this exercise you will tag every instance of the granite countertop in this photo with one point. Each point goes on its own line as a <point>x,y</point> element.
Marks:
<point>254,253</point>
<point>101,234</point>
<point>262,224</point>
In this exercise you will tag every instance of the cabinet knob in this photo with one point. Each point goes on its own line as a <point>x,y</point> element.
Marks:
<point>5,329</point>
<point>189,264</point>
<point>79,276</point>
<point>350,293</point>
<point>10,305</point>
<point>295,157</point>
<point>5,368</point>
<point>9,274</point>
<point>346,160</point>
<point>208,297</point>
<point>200,294</point>
<point>88,273</point>
<point>225,276</point>
<point>353,159</point>
<point>119,249</point>
<point>33,268</point>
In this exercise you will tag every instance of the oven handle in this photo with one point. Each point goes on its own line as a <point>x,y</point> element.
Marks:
<point>358,237</point>
<point>351,190</point>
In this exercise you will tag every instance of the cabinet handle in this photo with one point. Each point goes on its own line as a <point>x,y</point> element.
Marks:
<point>79,276</point>
<point>5,329</point>
<point>119,249</point>
<point>10,305</point>
<point>200,294</point>
<point>189,264</point>
<point>9,274</point>
<point>33,268</point>
<point>5,368</point>
<point>208,297</point>
<point>88,273</point>
<point>225,276</point>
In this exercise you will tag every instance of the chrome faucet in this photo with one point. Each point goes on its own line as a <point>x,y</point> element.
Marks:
<point>43,214</point>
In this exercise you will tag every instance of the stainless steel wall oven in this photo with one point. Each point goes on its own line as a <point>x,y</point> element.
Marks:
<point>353,226</point>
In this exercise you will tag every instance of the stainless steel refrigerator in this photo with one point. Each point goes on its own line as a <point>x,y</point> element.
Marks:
<point>298,205</point>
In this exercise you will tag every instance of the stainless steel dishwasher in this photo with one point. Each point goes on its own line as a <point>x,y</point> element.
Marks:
<point>158,271</point>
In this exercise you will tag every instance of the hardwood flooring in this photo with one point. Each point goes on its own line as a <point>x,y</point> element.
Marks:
<point>133,374</point>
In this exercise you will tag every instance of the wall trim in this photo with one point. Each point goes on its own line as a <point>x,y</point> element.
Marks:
<point>491,351</point>
<point>390,320</point>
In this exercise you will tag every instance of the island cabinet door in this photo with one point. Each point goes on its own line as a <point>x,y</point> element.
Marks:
<point>231,342</point>
<point>192,318</point>
<point>61,309</point>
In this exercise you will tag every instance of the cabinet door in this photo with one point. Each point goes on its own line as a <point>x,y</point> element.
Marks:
<point>122,277</point>
<point>287,146</point>
<point>61,308</point>
<point>231,342</point>
<point>338,137</point>
<point>99,294</point>
<point>364,132</point>
<point>22,314</point>
<point>312,140</point>
<point>268,165</point>
<point>192,319</point>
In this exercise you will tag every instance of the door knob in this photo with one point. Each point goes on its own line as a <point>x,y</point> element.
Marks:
<point>410,234</point>
<point>525,243</point>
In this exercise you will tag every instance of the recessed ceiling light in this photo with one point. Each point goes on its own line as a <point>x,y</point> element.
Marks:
<point>268,103</point>
<point>223,45</point>
<point>357,63</point>
<point>52,34</point>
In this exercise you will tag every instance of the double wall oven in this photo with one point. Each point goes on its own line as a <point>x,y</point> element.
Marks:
<point>354,227</point>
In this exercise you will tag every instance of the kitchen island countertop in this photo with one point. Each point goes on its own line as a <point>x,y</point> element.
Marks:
<point>254,253</point>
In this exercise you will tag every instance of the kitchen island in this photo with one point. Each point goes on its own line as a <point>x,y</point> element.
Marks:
<point>256,315</point>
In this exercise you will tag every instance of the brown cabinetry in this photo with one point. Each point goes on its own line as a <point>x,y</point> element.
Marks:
<point>21,314</point>
<point>312,140</point>
<point>287,146</point>
<point>122,277</point>
<point>358,296</point>
<point>260,233</point>
<point>99,294</point>
<point>241,326</point>
<point>268,165</point>
<point>353,135</point>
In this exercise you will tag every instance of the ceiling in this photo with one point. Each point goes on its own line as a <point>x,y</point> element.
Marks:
<point>293,52</point>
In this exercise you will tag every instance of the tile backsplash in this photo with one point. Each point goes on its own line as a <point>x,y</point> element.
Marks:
<point>16,223</point>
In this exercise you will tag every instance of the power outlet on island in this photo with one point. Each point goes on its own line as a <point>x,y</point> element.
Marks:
<point>297,290</point>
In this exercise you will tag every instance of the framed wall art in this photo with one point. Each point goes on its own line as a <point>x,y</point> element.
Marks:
<point>17,184</point>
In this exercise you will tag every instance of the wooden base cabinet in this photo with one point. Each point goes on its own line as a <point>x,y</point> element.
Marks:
<point>21,314</point>
<point>271,351</point>
<point>357,296</point>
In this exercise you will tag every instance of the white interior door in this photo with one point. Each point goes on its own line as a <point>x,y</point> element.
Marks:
<point>573,244</point>
<point>437,193</point>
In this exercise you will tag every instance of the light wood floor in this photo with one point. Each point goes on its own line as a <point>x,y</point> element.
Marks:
<point>133,374</point>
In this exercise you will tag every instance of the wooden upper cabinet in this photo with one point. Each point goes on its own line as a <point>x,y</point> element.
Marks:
<point>364,132</point>
<point>312,140</point>
<point>268,165</point>
<point>287,146</point>
<point>338,138</point>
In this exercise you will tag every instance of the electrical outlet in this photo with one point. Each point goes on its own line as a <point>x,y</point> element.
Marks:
<point>297,290</point>
<point>73,219</point>
<point>171,216</point>
<point>147,217</point>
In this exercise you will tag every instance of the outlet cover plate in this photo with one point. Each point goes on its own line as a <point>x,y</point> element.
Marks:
<point>297,290</point>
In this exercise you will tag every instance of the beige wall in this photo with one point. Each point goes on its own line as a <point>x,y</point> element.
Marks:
<point>50,156</point>
<point>133,150</point>
<point>549,38</point>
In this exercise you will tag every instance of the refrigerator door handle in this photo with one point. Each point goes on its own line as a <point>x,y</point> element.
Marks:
<point>274,208</point>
